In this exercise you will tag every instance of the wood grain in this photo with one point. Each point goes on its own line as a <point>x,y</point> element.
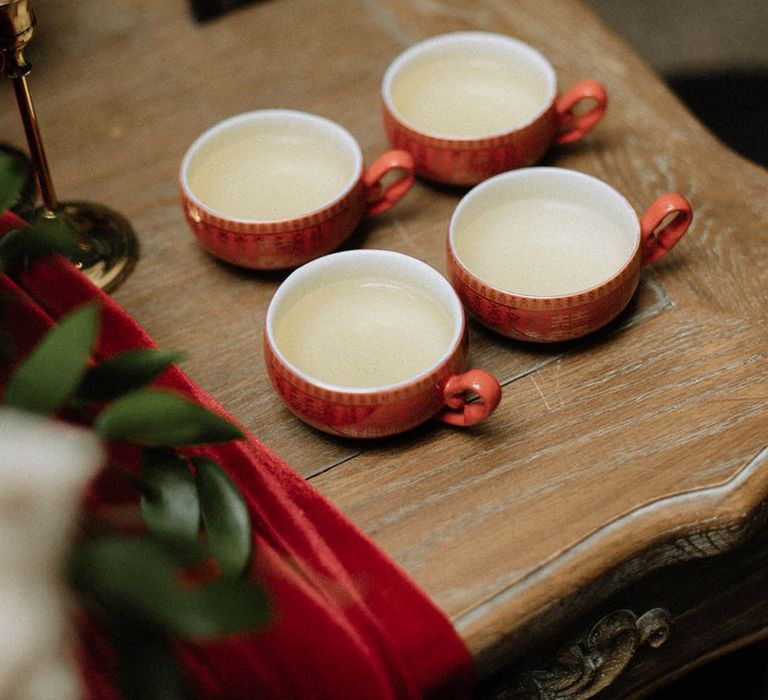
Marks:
<point>601,450</point>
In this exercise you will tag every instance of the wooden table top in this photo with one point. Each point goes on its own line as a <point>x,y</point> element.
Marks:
<point>601,448</point>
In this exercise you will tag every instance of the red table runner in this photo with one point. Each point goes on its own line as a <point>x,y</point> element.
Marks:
<point>349,622</point>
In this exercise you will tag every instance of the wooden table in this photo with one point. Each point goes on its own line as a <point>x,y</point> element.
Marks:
<point>605,528</point>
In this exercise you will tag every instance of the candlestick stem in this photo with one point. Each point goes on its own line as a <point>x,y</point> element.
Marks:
<point>35,142</point>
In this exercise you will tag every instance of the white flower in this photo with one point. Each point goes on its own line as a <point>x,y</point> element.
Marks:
<point>44,465</point>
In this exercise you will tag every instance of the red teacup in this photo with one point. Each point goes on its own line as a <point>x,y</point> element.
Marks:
<point>273,189</point>
<point>549,254</point>
<point>469,105</point>
<point>368,343</point>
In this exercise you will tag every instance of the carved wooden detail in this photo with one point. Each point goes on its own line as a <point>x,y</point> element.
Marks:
<point>703,543</point>
<point>591,664</point>
<point>710,541</point>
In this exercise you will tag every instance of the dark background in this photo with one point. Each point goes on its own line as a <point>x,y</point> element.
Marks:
<point>713,54</point>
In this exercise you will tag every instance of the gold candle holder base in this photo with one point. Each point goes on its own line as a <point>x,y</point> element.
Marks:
<point>108,245</point>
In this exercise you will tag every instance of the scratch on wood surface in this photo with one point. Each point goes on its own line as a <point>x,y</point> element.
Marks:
<point>403,231</point>
<point>333,465</point>
<point>558,392</point>
<point>541,393</point>
<point>387,21</point>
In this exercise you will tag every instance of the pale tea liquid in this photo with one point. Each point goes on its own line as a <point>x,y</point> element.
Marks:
<point>466,96</point>
<point>268,177</point>
<point>361,332</point>
<point>542,247</point>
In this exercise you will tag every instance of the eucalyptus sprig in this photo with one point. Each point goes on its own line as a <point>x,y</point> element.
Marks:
<point>20,247</point>
<point>191,509</point>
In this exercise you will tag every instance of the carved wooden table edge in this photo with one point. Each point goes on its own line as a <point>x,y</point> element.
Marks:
<point>690,525</point>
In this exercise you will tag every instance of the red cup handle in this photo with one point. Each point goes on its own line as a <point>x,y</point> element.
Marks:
<point>656,244</point>
<point>460,412</point>
<point>380,200</point>
<point>572,128</point>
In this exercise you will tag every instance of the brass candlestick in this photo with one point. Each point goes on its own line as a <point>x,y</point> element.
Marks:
<point>107,243</point>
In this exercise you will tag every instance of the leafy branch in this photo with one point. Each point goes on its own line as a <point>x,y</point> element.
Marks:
<point>185,576</point>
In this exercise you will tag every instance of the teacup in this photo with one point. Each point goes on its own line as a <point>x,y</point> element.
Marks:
<point>469,105</point>
<point>549,254</point>
<point>273,189</point>
<point>368,343</point>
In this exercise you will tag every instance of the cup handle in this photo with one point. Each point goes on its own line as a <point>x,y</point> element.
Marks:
<point>656,244</point>
<point>573,128</point>
<point>380,200</point>
<point>460,412</point>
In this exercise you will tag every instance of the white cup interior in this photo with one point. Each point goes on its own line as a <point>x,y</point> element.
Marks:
<point>323,332</point>
<point>544,232</point>
<point>469,85</point>
<point>271,165</point>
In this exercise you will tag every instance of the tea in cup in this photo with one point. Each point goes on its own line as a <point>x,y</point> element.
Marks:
<point>273,189</point>
<point>549,254</point>
<point>368,343</point>
<point>469,105</point>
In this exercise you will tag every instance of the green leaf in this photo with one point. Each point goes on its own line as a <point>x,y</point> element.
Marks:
<point>225,516</point>
<point>125,372</point>
<point>53,235</point>
<point>7,346</point>
<point>138,579</point>
<point>52,371</point>
<point>227,606</point>
<point>169,502</point>
<point>159,417</point>
<point>147,668</point>
<point>131,577</point>
<point>17,178</point>
<point>20,247</point>
<point>12,250</point>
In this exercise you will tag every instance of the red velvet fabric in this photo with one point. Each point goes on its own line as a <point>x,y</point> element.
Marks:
<point>349,623</point>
